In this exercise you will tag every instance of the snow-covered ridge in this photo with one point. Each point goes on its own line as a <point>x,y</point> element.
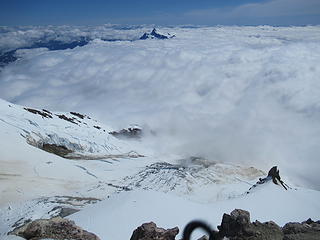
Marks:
<point>191,179</point>
<point>71,135</point>
<point>155,34</point>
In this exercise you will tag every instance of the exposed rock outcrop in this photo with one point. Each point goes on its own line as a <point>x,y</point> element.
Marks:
<point>276,179</point>
<point>237,226</point>
<point>55,228</point>
<point>148,231</point>
<point>274,176</point>
<point>44,113</point>
<point>132,132</point>
<point>306,230</point>
<point>59,150</point>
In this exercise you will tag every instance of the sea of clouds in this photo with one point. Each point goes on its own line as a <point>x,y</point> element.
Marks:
<point>237,94</point>
<point>12,38</point>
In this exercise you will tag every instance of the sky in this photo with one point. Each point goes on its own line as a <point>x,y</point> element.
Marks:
<point>164,12</point>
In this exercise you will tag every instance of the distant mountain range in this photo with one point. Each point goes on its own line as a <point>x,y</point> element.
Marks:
<point>51,44</point>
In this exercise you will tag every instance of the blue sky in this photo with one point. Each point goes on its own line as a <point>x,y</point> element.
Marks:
<point>160,12</point>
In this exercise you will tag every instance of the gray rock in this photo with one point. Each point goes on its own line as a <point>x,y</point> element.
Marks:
<point>294,227</point>
<point>55,228</point>
<point>264,231</point>
<point>235,223</point>
<point>150,231</point>
<point>307,230</point>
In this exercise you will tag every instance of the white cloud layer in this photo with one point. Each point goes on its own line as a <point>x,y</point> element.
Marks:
<point>237,94</point>
<point>21,37</point>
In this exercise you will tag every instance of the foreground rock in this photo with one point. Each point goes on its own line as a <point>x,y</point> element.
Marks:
<point>55,228</point>
<point>234,226</point>
<point>148,231</point>
<point>306,230</point>
<point>237,226</point>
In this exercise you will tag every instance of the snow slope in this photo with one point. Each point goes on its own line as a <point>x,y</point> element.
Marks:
<point>34,182</point>
<point>24,164</point>
<point>117,217</point>
<point>75,131</point>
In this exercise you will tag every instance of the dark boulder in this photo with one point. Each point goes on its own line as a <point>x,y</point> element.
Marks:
<point>150,231</point>
<point>237,226</point>
<point>235,223</point>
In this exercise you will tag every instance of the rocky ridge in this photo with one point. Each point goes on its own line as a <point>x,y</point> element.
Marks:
<point>235,226</point>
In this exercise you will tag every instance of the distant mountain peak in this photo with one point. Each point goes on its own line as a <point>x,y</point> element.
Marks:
<point>154,34</point>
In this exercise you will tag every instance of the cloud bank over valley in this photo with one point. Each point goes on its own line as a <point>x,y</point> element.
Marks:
<point>230,94</point>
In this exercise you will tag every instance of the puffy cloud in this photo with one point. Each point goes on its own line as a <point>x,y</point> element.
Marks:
<point>24,37</point>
